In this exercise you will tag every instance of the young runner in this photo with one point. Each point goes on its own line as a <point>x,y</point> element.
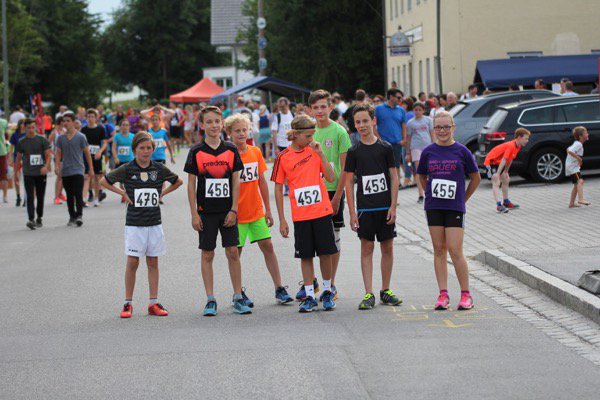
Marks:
<point>121,147</point>
<point>371,161</point>
<point>34,152</point>
<point>442,171</point>
<point>71,148</point>
<point>301,166</point>
<point>59,129</point>
<point>144,236</point>
<point>161,139</point>
<point>419,134</point>
<point>498,163</point>
<point>335,143</point>
<point>95,135</point>
<point>14,139</point>
<point>573,165</point>
<point>253,220</point>
<point>213,169</point>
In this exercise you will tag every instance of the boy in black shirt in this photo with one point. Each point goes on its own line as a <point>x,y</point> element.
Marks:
<point>213,168</point>
<point>96,136</point>
<point>144,236</point>
<point>372,162</point>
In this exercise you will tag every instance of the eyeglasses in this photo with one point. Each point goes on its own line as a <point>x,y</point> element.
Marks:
<point>443,127</point>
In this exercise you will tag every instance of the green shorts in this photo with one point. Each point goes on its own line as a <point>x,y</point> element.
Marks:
<point>255,231</point>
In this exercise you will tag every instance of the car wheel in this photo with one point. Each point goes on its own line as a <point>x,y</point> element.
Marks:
<point>473,147</point>
<point>547,165</point>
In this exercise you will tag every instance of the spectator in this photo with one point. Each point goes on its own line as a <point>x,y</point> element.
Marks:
<point>408,107</point>
<point>569,89</point>
<point>3,160</point>
<point>340,105</point>
<point>378,99</point>
<point>437,106</point>
<point>241,106</point>
<point>17,115</point>
<point>539,84</point>
<point>451,100</point>
<point>61,111</point>
<point>472,92</point>
<point>562,85</point>
<point>513,87</point>
<point>394,85</point>
<point>422,97</point>
<point>595,90</point>
<point>360,97</point>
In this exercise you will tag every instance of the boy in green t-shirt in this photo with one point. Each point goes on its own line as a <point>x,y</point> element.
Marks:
<point>335,143</point>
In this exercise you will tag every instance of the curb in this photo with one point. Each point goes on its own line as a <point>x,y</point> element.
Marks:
<point>558,290</point>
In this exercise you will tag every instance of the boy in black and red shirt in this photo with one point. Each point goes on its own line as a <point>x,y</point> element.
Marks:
<point>213,168</point>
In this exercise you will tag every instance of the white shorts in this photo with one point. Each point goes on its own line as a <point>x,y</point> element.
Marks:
<point>415,154</point>
<point>143,241</point>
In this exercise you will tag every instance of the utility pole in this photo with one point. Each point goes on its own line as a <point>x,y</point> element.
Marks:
<point>262,44</point>
<point>5,58</point>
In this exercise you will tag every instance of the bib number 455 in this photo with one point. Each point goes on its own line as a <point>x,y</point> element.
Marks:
<point>443,189</point>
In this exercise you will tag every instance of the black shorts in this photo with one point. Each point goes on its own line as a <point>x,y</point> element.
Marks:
<point>338,219</point>
<point>212,224</point>
<point>176,132</point>
<point>373,224</point>
<point>97,166</point>
<point>575,177</point>
<point>314,236</point>
<point>446,218</point>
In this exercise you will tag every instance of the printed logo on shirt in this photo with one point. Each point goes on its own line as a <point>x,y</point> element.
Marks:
<point>153,175</point>
<point>144,176</point>
<point>328,143</point>
<point>134,177</point>
<point>302,162</point>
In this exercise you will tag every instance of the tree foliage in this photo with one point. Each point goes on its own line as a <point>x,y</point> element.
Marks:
<point>159,45</point>
<point>335,45</point>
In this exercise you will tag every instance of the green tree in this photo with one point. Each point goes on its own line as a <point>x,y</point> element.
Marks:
<point>335,45</point>
<point>24,47</point>
<point>158,45</point>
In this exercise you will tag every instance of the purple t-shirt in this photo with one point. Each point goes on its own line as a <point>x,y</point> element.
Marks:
<point>446,167</point>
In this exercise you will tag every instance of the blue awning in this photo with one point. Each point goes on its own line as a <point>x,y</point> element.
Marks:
<point>496,74</point>
<point>266,83</point>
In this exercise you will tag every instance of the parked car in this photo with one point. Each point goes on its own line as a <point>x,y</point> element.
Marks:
<point>551,122</point>
<point>471,115</point>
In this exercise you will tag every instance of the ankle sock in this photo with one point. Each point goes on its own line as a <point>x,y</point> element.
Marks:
<point>310,290</point>
<point>464,292</point>
<point>210,298</point>
<point>326,285</point>
<point>444,291</point>
<point>237,297</point>
<point>128,301</point>
<point>153,301</point>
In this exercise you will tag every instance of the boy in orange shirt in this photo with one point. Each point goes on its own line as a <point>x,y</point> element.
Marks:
<point>253,221</point>
<point>498,163</point>
<point>301,165</point>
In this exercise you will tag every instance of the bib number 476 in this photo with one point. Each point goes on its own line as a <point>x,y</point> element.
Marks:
<point>146,197</point>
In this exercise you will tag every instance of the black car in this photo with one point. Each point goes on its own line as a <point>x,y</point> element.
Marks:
<point>551,122</point>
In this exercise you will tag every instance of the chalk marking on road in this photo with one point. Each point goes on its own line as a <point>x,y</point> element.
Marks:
<point>448,323</point>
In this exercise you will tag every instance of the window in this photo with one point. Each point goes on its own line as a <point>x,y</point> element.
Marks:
<point>581,112</point>
<point>436,79</point>
<point>537,116</point>
<point>409,5</point>
<point>391,10</point>
<point>404,81</point>
<point>401,6</point>
<point>420,75</point>
<point>489,107</point>
<point>428,76</point>
<point>418,2</point>
<point>396,8</point>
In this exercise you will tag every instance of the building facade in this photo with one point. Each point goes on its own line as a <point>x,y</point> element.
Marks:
<point>448,37</point>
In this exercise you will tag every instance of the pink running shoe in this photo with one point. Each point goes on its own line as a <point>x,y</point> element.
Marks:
<point>443,301</point>
<point>466,302</point>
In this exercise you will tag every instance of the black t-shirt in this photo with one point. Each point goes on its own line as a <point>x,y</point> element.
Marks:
<point>119,118</point>
<point>94,136</point>
<point>143,187</point>
<point>371,164</point>
<point>214,168</point>
<point>349,119</point>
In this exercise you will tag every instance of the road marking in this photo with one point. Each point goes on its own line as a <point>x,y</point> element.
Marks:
<point>449,324</point>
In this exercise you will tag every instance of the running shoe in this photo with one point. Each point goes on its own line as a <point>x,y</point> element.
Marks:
<point>388,298</point>
<point>501,209</point>
<point>158,310</point>
<point>96,203</point>
<point>62,197</point>
<point>442,303</point>
<point>368,302</point>
<point>421,199</point>
<point>282,296</point>
<point>210,310</point>
<point>30,225</point>
<point>127,311</point>
<point>308,305</point>
<point>90,197</point>
<point>38,223</point>
<point>18,201</point>
<point>122,199</point>
<point>102,195</point>
<point>86,204</point>
<point>71,222</point>
<point>24,203</point>
<point>334,291</point>
<point>78,221</point>
<point>247,300</point>
<point>327,300</point>
<point>466,302</point>
<point>240,307</point>
<point>57,200</point>
<point>301,295</point>
<point>511,206</point>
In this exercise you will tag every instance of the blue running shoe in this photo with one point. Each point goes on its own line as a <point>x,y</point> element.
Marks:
<point>308,305</point>
<point>301,295</point>
<point>333,291</point>
<point>240,307</point>
<point>211,309</point>
<point>328,302</point>
<point>247,301</point>
<point>282,296</point>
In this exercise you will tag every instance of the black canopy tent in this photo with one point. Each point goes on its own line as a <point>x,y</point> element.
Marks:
<point>268,84</point>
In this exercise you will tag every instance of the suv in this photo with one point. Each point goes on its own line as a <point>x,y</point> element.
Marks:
<point>550,122</point>
<point>471,115</point>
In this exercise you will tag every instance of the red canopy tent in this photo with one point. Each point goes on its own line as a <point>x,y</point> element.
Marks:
<point>201,91</point>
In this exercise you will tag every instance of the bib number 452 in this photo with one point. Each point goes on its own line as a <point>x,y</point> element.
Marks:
<point>308,196</point>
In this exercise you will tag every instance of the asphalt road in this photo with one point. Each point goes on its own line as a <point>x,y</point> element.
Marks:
<point>60,335</point>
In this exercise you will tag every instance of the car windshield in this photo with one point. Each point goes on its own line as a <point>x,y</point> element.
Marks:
<point>493,124</point>
<point>454,111</point>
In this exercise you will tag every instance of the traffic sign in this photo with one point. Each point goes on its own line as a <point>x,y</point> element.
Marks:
<point>261,23</point>
<point>262,43</point>
<point>262,63</point>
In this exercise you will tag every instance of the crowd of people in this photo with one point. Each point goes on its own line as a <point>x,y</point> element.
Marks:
<point>321,150</point>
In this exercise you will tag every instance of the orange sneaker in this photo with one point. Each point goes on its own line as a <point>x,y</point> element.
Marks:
<point>127,311</point>
<point>157,309</point>
<point>62,197</point>
<point>57,200</point>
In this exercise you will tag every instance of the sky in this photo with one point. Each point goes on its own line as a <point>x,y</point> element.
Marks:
<point>103,7</point>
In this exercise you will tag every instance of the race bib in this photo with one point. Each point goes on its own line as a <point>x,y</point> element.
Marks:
<point>123,150</point>
<point>159,143</point>
<point>217,188</point>
<point>249,172</point>
<point>36,160</point>
<point>443,189</point>
<point>145,197</point>
<point>307,196</point>
<point>373,184</point>
<point>94,149</point>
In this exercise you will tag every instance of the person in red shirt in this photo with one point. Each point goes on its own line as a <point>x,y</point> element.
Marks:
<point>498,162</point>
<point>301,166</point>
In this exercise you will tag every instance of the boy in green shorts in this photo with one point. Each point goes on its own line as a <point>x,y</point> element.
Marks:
<point>253,221</point>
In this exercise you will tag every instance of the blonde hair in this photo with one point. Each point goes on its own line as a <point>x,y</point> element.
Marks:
<point>235,118</point>
<point>443,114</point>
<point>578,132</point>
<point>300,123</point>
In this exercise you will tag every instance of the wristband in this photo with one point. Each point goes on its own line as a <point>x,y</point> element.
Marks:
<point>233,211</point>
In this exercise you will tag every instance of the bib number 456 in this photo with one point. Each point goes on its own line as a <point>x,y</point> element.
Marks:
<point>217,188</point>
